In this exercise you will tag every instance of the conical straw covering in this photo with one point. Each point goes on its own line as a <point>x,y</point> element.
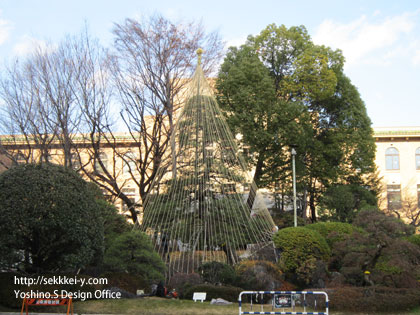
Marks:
<point>204,206</point>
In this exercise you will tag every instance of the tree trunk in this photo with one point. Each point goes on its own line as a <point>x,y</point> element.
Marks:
<point>312,206</point>
<point>257,175</point>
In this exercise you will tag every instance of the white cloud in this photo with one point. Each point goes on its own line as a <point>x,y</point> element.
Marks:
<point>236,41</point>
<point>366,41</point>
<point>28,44</point>
<point>5,28</point>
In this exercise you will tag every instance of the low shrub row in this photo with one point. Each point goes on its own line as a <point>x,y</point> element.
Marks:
<point>373,299</point>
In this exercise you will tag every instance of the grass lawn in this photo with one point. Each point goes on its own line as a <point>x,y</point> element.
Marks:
<point>153,306</point>
<point>158,306</point>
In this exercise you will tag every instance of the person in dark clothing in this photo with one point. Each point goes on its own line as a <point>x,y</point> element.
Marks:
<point>160,290</point>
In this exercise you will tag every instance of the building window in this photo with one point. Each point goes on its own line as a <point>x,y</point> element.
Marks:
<point>418,159</point>
<point>104,159</point>
<point>129,191</point>
<point>392,159</point>
<point>394,196</point>
<point>129,162</point>
<point>75,162</point>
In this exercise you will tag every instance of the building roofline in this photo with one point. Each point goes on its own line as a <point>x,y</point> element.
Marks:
<point>406,131</point>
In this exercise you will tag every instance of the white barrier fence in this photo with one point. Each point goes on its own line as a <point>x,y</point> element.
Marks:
<point>282,300</point>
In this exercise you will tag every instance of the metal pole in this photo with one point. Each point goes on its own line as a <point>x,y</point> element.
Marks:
<point>294,186</point>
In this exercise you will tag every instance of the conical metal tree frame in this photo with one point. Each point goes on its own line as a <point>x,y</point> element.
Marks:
<point>204,205</point>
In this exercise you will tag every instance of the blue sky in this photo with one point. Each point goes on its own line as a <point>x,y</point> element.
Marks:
<point>380,39</point>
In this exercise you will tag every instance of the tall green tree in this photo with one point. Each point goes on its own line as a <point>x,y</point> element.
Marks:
<point>279,90</point>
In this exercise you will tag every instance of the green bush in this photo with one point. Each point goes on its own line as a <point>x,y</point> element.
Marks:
<point>333,231</point>
<point>259,275</point>
<point>133,252</point>
<point>381,249</point>
<point>228,293</point>
<point>300,250</point>
<point>298,244</point>
<point>215,272</point>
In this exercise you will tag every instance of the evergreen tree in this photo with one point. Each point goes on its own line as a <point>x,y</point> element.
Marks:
<point>281,90</point>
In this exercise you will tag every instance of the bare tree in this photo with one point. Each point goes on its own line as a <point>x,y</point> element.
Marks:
<point>59,98</point>
<point>153,61</point>
<point>24,112</point>
<point>409,210</point>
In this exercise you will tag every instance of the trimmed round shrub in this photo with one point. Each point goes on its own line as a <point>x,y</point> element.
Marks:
<point>215,272</point>
<point>259,275</point>
<point>300,250</point>
<point>333,231</point>
<point>298,244</point>
<point>227,293</point>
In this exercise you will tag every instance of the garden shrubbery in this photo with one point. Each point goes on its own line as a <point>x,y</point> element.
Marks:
<point>183,281</point>
<point>373,299</point>
<point>333,231</point>
<point>259,275</point>
<point>303,253</point>
<point>381,250</point>
<point>215,272</point>
<point>133,252</point>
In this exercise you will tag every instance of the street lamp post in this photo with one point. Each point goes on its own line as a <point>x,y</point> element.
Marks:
<point>294,186</point>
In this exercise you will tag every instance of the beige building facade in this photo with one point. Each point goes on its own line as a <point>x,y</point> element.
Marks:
<point>398,163</point>
<point>397,160</point>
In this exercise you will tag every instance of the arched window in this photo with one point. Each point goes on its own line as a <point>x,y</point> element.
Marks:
<point>392,159</point>
<point>418,159</point>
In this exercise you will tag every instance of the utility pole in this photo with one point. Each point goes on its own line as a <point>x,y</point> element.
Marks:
<point>294,186</point>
